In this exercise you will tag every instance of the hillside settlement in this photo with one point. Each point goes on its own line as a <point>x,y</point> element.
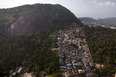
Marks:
<point>74,56</point>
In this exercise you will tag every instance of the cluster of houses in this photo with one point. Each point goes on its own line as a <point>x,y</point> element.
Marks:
<point>74,56</point>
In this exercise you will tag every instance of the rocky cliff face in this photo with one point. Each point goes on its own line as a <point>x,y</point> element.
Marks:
<point>30,18</point>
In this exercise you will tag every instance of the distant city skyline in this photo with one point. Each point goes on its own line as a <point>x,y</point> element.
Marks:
<point>81,8</point>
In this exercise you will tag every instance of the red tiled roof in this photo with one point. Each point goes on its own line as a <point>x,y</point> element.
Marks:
<point>28,74</point>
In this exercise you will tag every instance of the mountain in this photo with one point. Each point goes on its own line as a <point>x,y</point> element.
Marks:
<point>87,19</point>
<point>111,22</point>
<point>106,22</point>
<point>30,18</point>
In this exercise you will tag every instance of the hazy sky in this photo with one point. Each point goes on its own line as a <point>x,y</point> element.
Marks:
<point>81,8</point>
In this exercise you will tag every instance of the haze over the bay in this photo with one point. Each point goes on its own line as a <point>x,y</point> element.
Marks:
<point>81,8</point>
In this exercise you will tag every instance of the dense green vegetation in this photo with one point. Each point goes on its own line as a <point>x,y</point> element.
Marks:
<point>32,51</point>
<point>102,45</point>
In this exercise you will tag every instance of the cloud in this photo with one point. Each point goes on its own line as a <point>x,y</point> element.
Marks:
<point>106,3</point>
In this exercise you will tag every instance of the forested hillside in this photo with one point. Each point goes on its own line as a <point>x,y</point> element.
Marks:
<point>30,18</point>
<point>33,52</point>
<point>102,45</point>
